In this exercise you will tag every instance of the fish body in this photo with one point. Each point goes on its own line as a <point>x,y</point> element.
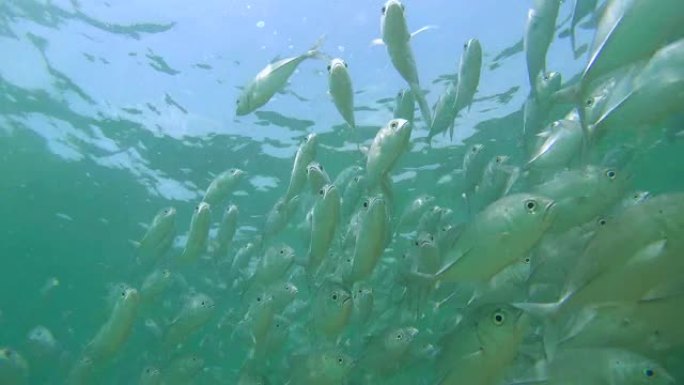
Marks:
<point>196,312</point>
<point>226,231</point>
<point>198,234</point>
<point>159,237</point>
<point>331,309</point>
<point>396,37</point>
<point>404,106</point>
<point>370,239</point>
<point>324,220</point>
<point>270,80</point>
<point>341,90</point>
<point>305,155</point>
<point>115,331</point>
<point>388,145</point>
<point>539,32</point>
<point>222,186</point>
<point>468,74</point>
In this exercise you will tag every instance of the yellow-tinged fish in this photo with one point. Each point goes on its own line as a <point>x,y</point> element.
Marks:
<point>317,177</point>
<point>497,237</point>
<point>198,234</point>
<point>14,369</point>
<point>388,145</point>
<point>159,237</point>
<point>182,370</point>
<point>371,238</point>
<point>155,284</point>
<point>341,90</point>
<point>226,231</point>
<point>404,106</point>
<point>319,367</point>
<point>468,75</point>
<point>272,79</point>
<point>396,37</point>
<point>324,219</point>
<point>305,155</point>
<point>482,346</point>
<point>222,186</point>
<point>387,352</point>
<point>196,312</point>
<point>331,308</point>
<point>116,330</point>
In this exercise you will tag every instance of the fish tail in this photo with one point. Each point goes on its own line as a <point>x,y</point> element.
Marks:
<point>422,104</point>
<point>540,310</point>
<point>315,51</point>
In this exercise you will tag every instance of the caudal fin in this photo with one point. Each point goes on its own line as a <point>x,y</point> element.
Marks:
<point>422,104</point>
<point>315,50</point>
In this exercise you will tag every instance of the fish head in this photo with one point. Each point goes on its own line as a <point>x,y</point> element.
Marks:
<point>202,209</point>
<point>472,53</point>
<point>329,192</point>
<point>308,145</point>
<point>334,301</point>
<point>243,104</point>
<point>400,127</point>
<point>236,172</point>
<point>231,210</point>
<point>201,303</point>
<point>500,326</point>
<point>336,364</point>
<point>150,372</point>
<point>375,207</point>
<point>393,23</point>
<point>166,214</point>
<point>632,368</point>
<point>400,339</point>
<point>336,66</point>
<point>12,359</point>
<point>190,364</point>
<point>548,83</point>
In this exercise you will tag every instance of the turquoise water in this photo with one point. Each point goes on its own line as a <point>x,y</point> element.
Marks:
<point>111,111</point>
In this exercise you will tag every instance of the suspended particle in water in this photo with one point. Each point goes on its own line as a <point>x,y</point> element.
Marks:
<point>261,24</point>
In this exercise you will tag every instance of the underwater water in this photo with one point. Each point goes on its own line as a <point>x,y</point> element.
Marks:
<point>541,242</point>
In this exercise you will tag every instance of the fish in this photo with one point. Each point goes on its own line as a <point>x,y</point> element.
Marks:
<point>341,90</point>
<point>198,234</point>
<point>226,231</point>
<point>324,219</point>
<point>539,32</point>
<point>320,366</point>
<point>469,70</point>
<point>150,375</point>
<point>396,37</point>
<point>158,238</point>
<point>112,335</point>
<point>388,145</point>
<point>305,155</point>
<point>222,186</point>
<point>388,351</point>
<point>155,284</point>
<point>444,112</point>
<point>331,308</point>
<point>482,345</point>
<point>501,234</point>
<point>317,177</point>
<point>370,239</point>
<point>182,370</point>
<point>14,369</point>
<point>279,216</point>
<point>41,343</point>
<point>497,179</point>
<point>562,143</point>
<point>196,312</point>
<point>404,106</point>
<point>272,79</point>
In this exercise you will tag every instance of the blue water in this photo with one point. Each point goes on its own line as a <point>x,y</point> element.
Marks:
<point>110,111</point>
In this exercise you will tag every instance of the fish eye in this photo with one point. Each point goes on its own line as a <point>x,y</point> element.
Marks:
<point>345,64</point>
<point>340,360</point>
<point>399,336</point>
<point>329,67</point>
<point>611,174</point>
<point>417,243</point>
<point>334,296</point>
<point>474,149</point>
<point>403,7</point>
<point>383,10</point>
<point>530,205</point>
<point>322,192</point>
<point>237,102</point>
<point>365,203</point>
<point>394,124</point>
<point>197,207</point>
<point>203,303</point>
<point>527,260</point>
<point>546,77</point>
<point>649,372</point>
<point>465,45</point>
<point>258,299</point>
<point>498,318</point>
<point>589,102</point>
<point>123,294</point>
<point>602,222</point>
<point>282,251</point>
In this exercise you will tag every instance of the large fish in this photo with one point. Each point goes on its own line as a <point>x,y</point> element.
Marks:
<point>341,90</point>
<point>389,144</point>
<point>539,32</point>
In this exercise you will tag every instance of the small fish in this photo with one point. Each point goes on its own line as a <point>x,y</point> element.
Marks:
<point>154,285</point>
<point>115,331</point>
<point>196,312</point>
<point>496,180</point>
<point>539,32</point>
<point>444,114</point>
<point>198,234</point>
<point>279,216</point>
<point>396,37</point>
<point>468,75</point>
<point>331,309</point>
<point>226,231</point>
<point>222,186</point>
<point>305,155</point>
<point>562,143</point>
<point>14,369</point>
<point>474,163</point>
<point>41,343</point>
<point>324,219</point>
<point>388,351</point>
<point>182,370</point>
<point>150,375</point>
<point>159,237</point>
<point>341,90</point>
<point>272,79</point>
<point>317,177</point>
<point>388,145</point>
<point>329,366</point>
<point>274,265</point>
<point>370,239</point>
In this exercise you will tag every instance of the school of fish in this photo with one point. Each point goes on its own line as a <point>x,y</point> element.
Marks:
<point>540,264</point>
